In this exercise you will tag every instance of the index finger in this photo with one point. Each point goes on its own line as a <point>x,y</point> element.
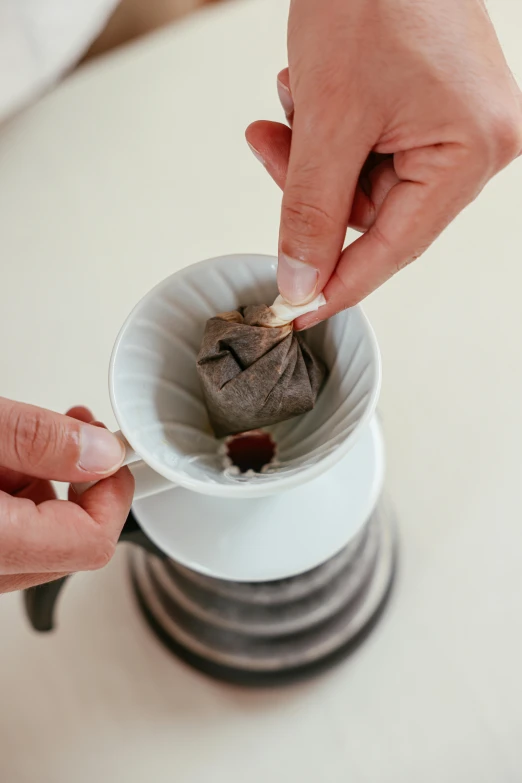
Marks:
<point>327,153</point>
<point>59,536</point>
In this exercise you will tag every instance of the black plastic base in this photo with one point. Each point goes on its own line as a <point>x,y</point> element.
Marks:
<point>265,679</point>
<point>271,633</point>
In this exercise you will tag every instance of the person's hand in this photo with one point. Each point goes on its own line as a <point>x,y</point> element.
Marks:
<point>42,538</point>
<point>401,111</point>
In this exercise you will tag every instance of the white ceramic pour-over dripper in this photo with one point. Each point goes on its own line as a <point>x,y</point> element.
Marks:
<point>158,401</point>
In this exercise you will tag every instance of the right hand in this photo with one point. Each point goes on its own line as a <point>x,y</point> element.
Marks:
<point>400,112</point>
<point>42,538</point>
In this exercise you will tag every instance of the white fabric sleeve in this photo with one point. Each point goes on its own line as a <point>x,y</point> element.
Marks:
<point>40,40</point>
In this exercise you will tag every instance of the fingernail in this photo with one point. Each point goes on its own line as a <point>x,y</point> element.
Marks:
<point>79,489</point>
<point>256,154</point>
<point>100,451</point>
<point>297,281</point>
<point>285,96</point>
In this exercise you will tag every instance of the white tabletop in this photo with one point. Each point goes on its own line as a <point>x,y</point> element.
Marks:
<point>132,168</point>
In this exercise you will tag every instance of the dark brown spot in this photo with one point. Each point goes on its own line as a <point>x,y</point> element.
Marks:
<point>251,450</point>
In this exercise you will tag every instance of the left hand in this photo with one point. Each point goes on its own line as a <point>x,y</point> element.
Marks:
<point>42,538</point>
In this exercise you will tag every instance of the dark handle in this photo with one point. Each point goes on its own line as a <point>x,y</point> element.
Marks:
<point>40,601</point>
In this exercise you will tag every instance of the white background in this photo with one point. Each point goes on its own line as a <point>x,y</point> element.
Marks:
<point>132,168</point>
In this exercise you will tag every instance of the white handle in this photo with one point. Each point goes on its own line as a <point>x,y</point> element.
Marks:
<point>148,482</point>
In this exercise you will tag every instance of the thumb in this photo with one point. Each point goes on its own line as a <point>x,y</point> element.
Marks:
<point>43,444</point>
<point>324,166</point>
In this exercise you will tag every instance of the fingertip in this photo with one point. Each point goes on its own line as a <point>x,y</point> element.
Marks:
<point>337,300</point>
<point>270,143</point>
<point>265,134</point>
<point>284,77</point>
<point>80,413</point>
<point>110,495</point>
<point>310,320</point>
<point>256,154</point>
<point>254,127</point>
<point>255,134</point>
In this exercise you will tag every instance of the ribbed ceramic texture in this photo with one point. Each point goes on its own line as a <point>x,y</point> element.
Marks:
<point>158,392</point>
